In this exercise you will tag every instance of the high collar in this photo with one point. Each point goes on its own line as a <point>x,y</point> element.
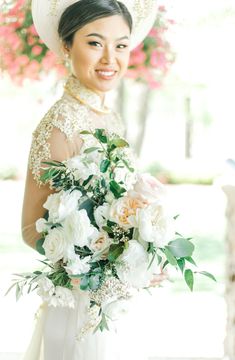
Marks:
<point>85,95</point>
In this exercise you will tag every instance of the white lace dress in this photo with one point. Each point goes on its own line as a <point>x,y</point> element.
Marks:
<point>57,138</point>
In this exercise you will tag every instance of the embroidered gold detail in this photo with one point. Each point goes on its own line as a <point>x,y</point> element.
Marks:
<point>70,117</point>
<point>142,9</point>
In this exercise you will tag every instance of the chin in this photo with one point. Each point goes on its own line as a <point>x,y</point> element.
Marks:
<point>107,85</point>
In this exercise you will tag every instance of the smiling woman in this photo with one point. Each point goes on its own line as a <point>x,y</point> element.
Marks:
<point>96,37</point>
<point>99,53</point>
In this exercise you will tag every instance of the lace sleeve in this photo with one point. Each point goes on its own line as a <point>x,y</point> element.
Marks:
<point>55,138</point>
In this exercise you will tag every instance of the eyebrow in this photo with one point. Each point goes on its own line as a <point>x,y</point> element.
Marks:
<point>104,38</point>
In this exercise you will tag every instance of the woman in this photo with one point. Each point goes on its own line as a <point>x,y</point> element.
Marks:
<point>95,37</point>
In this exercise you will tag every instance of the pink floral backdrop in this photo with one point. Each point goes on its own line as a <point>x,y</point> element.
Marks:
<point>25,56</point>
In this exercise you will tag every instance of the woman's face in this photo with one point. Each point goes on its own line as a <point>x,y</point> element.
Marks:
<point>100,53</point>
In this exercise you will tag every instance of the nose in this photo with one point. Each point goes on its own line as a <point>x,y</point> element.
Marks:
<point>108,56</point>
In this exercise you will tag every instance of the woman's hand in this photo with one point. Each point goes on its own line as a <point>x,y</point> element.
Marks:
<point>158,278</point>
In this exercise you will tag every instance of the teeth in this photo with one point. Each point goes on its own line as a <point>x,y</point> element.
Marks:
<point>106,73</point>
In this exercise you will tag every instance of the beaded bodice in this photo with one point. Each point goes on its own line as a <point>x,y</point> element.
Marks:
<point>78,109</point>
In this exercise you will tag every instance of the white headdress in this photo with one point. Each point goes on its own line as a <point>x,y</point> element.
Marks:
<point>47,13</point>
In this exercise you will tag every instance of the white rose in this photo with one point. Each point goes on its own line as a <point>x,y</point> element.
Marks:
<point>78,266</point>
<point>56,245</point>
<point>46,288</point>
<point>123,211</point>
<point>155,225</point>
<point>149,188</point>
<point>61,204</point>
<point>78,228</point>
<point>100,244</point>
<point>101,214</point>
<point>133,266</point>
<point>42,225</point>
<point>83,168</point>
<point>116,308</point>
<point>63,297</point>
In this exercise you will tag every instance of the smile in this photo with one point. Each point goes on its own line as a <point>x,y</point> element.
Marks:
<point>106,74</point>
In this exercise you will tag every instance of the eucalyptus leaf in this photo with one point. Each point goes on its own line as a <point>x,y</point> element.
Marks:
<point>170,257</point>
<point>94,282</point>
<point>181,248</point>
<point>84,283</point>
<point>189,278</point>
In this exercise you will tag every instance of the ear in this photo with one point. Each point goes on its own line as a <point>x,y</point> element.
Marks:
<point>65,49</point>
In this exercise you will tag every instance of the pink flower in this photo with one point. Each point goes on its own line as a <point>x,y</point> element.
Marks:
<point>36,50</point>
<point>137,57</point>
<point>32,30</point>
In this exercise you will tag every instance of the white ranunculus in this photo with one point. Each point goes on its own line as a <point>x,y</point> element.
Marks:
<point>78,266</point>
<point>149,188</point>
<point>61,204</point>
<point>155,225</point>
<point>63,297</point>
<point>78,228</point>
<point>116,308</point>
<point>46,288</point>
<point>82,167</point>
<point>101,214</point>
<point>133,266</point>
<point>56,245</point>
<point>42,225</point>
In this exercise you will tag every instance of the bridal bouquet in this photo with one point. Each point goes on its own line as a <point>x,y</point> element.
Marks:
<point>106,230</point>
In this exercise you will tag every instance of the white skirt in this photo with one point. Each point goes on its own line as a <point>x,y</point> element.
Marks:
<point>56,331</point>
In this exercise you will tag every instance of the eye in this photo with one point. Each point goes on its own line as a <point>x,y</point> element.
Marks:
<point>95,43</point>
<point>122,46</point>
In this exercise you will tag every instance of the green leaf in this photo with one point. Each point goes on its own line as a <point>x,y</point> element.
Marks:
<point>107,229</point>
<point>85,132</point>
<point>170,257</point>
<point>18,292</point>
<point>39,247</point>
<point>128,166</point>
<point>165,264</point>
<point>181,248</point>
<point>181,264</point>
<point>100,135</point>
<point>189,278</point>
<point>206,273</point>
<point>118,142</point>
<point>115,251</point>
<point>91,149</point>
<point>104,165</point>
<point>190,259</point>
<point>10,288</point>
<point>84,283</point>
<point>116,189</point>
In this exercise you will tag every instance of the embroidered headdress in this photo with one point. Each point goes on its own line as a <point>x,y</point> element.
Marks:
<point>47,13</point>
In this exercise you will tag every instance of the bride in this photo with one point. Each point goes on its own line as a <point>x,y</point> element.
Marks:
<point>95,37</point>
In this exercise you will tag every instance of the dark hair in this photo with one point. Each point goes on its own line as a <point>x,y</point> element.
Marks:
<point>83,12</point>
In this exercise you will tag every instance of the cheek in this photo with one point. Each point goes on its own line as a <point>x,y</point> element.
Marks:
<point>124,60</point>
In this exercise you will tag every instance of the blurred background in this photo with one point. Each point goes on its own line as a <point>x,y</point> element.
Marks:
<point>177,101</point>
